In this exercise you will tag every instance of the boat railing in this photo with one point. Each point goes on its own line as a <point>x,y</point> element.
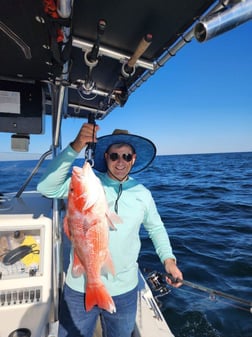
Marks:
<point>34,171</point>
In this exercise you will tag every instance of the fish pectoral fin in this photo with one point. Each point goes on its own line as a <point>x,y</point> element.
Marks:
<point>91,200</point>
<point>112,219</point>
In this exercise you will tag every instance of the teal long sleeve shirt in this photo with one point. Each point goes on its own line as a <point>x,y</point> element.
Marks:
<point>135,207</point>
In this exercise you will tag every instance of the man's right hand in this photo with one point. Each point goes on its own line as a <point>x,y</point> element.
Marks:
<point>87,134</point>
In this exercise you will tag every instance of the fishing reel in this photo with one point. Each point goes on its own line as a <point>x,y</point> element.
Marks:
<point>158,283</point>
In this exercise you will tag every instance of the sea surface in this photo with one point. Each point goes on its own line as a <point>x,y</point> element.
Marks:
<point>205,201</point>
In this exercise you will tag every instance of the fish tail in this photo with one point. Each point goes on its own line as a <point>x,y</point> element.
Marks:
<point>98,295</point>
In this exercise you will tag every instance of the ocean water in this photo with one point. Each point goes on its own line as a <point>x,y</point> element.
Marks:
<point>205,202</point>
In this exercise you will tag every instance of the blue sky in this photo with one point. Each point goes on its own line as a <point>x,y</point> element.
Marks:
<point>199,102</point>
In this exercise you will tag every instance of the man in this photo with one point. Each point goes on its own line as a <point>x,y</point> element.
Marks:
<point>115,157</point>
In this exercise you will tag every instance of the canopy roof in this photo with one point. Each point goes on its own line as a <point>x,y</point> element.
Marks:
<point>98,52</point>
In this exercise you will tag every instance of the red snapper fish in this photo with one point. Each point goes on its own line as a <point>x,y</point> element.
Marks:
<point>86,224</point>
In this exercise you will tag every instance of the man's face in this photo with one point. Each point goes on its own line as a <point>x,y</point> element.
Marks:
<point>119,161</point>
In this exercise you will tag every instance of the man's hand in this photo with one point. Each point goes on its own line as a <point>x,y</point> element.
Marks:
<point>87,134</point>
<point>171,268</point>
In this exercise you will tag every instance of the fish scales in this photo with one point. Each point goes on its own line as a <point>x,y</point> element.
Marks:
<point>87,224</point>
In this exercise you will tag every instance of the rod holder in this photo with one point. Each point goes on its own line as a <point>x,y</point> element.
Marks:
<point>224,20</point>
<point>128,68</point>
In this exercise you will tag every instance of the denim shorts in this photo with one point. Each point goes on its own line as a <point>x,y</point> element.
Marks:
<point>74,321</point>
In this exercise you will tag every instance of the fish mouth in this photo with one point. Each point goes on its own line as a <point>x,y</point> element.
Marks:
<point>78,170</point>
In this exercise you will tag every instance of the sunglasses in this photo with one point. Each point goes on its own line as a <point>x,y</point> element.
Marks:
<point>125,156</point>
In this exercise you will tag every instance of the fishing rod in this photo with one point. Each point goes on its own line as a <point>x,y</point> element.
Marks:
<point>159,283</point>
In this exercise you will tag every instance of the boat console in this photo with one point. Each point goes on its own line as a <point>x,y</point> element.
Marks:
<point>25,265</point>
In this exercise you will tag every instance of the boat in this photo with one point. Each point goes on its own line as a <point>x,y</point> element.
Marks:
<point>78,59</point>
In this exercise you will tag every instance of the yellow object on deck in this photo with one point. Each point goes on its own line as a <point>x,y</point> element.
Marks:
<point>34,257</point>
